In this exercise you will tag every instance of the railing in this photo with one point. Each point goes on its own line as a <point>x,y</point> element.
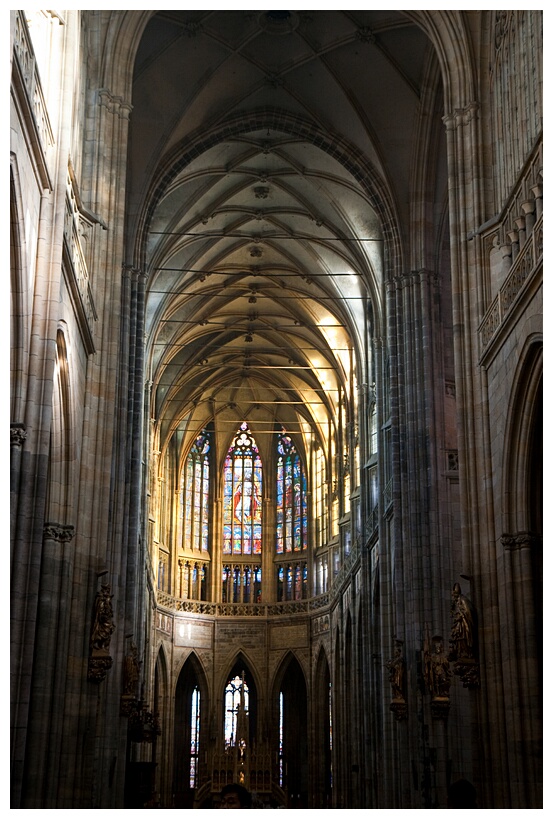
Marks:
<point>524,264</point>
<point>372,522</point>
<point>74,223</point>
<point>345,571</point>
<point>167,601</point>
<point>26,60</point>
<point>388,494</point>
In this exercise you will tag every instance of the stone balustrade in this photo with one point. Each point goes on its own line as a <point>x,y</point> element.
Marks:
<point>167,601</point>
<point>526,261</point>
<point>25,57</point>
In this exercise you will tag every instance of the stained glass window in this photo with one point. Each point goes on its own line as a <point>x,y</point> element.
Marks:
<point>291,500</point>
<point>194,736</point>
<point>292,581</point>
<point>195,495</point>
<point>242,506</point>
<point>236,708</point>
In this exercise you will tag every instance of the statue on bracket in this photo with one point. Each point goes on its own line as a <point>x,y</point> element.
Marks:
<point>103,627</point>
<point>464,639</point>
<point>437,676</point>
<point>396,667</point>
<point>131,675</point>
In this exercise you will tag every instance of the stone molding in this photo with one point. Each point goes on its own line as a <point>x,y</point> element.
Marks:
<point>18,434</point>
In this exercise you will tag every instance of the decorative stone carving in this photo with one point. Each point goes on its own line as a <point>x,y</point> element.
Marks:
<point>59,532</point>
<point>261,192</point>
<point>437,677</point>
<point>396,667</point>
<point>501,27</point>
<point>464,639</point>
<point>278,22</point>
<point>522,540</point>
<point>103,627</point>
<point>192,28</point>
<point>365,35</point>
<point>452,460</point>
<point>98,667</point>
<point>18,434</point>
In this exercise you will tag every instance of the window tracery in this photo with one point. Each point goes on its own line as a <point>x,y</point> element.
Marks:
<point>291,499</point>
<point>242,496</point>
<point>194,496</point>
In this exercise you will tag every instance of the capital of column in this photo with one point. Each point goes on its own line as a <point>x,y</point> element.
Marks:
<point>129,271</point>
<point>61,532</point>
<point>114,104</point>
<point>520,540</point>
<point>460,116</point>
<point>18,434</point>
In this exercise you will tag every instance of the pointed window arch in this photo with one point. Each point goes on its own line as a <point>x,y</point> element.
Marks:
<point>291,500</point>
<point>194,736</point>
<point>242,500</point>
<point>237,695</point>
<point>195,495</point>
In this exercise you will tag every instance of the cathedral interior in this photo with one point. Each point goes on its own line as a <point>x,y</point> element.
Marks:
<point>276,407</point>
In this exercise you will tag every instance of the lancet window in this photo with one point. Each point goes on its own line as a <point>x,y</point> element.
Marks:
<point>291,499</point>
<point>242,498</point>
<point>236,711</point>
<point>195,496</point>
<point>194,736</point>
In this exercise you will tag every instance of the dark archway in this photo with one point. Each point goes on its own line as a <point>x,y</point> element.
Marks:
<point>190,733</point>
<point>293,735</point>
<point>322,751</point>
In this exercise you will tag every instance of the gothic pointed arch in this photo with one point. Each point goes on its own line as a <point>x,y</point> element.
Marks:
<point>190,731</point>
<point>322,732</point>
<point>162,708</point>
<point>290,697</point>
<point>522,472</point>
<point>522,538</point>
<point>240,701</point>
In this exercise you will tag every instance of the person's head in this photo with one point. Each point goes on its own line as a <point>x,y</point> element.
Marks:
<point>462,794</point>
<point>235,796</point>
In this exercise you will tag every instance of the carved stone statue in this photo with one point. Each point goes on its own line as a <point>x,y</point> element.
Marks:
<point>463,630</point>
<point>102,626</point>
<point>437,676</point>
<point>440,673</point>
<point>464,639</point>
<point>396,667</point>
<point>132,672</point>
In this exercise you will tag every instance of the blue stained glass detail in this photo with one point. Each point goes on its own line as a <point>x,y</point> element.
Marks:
<point>195,496</point>
<point>291,499</point>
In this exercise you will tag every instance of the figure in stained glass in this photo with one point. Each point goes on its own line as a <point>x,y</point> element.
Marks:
<point>242,496</point>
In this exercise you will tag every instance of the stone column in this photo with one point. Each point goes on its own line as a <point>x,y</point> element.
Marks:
<point>48,694</point>
<point>522,648</point>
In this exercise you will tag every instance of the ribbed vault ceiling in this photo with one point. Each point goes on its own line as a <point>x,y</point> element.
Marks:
<point>263,247</point>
